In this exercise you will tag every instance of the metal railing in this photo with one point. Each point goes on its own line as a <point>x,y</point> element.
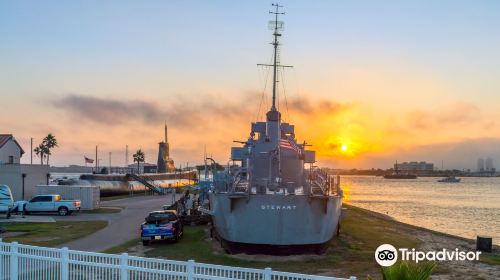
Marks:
<point>147,184</point>
<point>318,180</point>
<point>18,261</point>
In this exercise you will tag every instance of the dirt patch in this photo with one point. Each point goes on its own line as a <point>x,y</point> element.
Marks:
<point>12,234</point>
<point>217,249</point>
<point>138,250</point>
<point>45,239</point>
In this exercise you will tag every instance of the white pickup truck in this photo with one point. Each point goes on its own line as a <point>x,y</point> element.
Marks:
<point>51,203</point>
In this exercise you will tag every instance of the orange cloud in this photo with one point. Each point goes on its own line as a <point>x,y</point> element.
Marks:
<point>365,130</point>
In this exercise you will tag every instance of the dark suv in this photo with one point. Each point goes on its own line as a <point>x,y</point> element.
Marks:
<point>161,225</point>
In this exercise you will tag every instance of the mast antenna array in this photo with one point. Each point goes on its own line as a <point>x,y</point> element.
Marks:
<point>276,26</point>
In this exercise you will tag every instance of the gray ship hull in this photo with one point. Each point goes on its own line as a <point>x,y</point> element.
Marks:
<point>277,220</point>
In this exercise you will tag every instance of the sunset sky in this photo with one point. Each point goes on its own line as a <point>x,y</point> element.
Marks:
<point>386,80</point>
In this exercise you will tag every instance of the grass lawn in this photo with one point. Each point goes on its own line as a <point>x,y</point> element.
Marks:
<point>490,258</point>
<point>350,254</point>
<point>51,234</point>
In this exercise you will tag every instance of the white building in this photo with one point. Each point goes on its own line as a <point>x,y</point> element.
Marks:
<point>10,150</point>
<point>21,178</point>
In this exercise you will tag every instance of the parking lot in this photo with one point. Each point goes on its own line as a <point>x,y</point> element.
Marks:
<point>122,226</point>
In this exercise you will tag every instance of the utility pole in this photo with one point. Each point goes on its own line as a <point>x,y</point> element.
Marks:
<point>126,156</point>
<point>180,174</point>
<point>109,172</point>
<point>31,153</point>
<point>96,160</point>
<point>205,161</point>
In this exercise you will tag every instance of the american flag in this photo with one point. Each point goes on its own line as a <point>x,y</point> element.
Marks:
<point>88,160</point>
<point>290,144</point>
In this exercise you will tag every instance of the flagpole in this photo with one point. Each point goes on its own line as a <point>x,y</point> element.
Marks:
<point>96,161</point>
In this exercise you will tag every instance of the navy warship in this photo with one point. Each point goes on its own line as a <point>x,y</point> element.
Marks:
<point>271,195</point>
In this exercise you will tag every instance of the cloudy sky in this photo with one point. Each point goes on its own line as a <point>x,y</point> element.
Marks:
<point>391,80</point>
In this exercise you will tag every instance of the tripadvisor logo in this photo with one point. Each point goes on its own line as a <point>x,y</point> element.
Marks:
<point>387,255</point>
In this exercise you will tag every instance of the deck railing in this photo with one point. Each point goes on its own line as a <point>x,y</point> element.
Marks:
<point>18,261</point>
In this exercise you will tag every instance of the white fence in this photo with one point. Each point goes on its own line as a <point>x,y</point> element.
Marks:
<point>25,262</point>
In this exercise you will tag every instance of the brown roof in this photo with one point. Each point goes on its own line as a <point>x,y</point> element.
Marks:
<point>4,138</point>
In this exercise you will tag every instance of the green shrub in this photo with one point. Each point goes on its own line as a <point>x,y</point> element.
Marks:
<point>408,271</point>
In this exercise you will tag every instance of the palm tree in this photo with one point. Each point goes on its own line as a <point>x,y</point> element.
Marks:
<point>50,142</point>
<point>138,157</point>
<point>41,151</point>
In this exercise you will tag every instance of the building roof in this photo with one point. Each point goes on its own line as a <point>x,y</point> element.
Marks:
<point>4,138</point>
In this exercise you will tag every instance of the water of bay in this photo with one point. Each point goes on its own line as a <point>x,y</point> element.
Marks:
<point>466,209</point>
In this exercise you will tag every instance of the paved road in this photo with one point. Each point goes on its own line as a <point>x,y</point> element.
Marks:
<point>122,226</point>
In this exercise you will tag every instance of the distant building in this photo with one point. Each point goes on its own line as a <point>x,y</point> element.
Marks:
<point>415,167</point>
<point>10,150</point>
<point>144,167</point>
<point>480,165</point>
<point>21,178</point>
<point>489,165</point>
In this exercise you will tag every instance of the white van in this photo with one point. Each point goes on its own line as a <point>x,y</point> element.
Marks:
<point>6,200</point>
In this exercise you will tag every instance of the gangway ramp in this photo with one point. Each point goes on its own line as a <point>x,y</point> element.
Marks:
<point>147,184</point>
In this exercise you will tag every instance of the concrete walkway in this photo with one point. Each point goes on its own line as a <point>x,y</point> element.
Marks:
<point>122,227</point>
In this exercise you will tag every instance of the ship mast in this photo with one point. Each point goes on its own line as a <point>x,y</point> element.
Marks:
<point>276,26</point>
<point>275,44</point>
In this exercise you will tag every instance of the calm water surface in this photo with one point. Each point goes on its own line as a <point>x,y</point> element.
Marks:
<point>467,209</point>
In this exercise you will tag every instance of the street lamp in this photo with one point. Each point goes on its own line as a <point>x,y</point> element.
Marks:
<point>22,193</point>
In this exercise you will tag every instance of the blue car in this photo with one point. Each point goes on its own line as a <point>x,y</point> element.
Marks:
<point>161,225</point>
